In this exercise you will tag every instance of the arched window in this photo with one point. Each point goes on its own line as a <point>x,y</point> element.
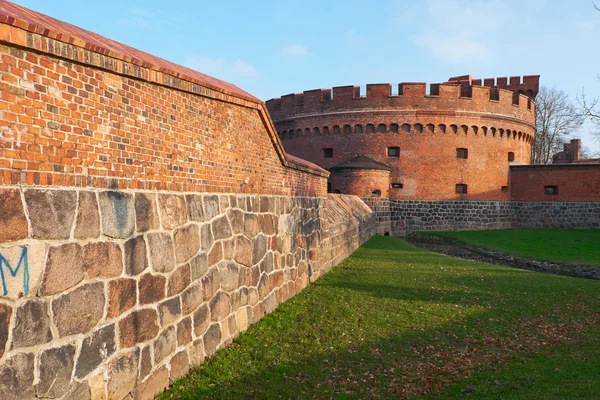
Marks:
<point>370,128</point>
<point>358,128</point>
<point>394,128</point>
<point>419,128</point>
<point>442,128</point>
<point>430,128</point>
<point>316,131</point>
<point>347,129</point>
<point>336,129</point>
<point>454,128</point>
<point>406,128</point>
<point>381,128</point>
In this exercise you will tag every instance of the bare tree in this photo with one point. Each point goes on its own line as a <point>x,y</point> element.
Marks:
<point>557,120</point>
<point>590,108</point>
<point>587,153</point>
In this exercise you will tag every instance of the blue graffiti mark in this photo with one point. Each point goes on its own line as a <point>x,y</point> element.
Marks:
<point>22,261</point>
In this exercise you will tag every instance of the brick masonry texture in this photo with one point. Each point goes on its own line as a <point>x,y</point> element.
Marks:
<point>403,217</point>
<point>490,122</point>
<point>177,291</point>
<point>574,182</point>
<point>72,116</point>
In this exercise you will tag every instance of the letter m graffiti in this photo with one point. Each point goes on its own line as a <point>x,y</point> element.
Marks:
<point>5,265</point>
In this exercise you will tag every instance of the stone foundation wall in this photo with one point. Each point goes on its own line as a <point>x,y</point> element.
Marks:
<point>401,218</point>
<point>417,216</point>
<point>109,294</point>
<point>585,215</point>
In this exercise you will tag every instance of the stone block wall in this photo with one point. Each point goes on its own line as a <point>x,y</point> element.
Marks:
<point>348,222</point>
<point>529,214</point>
<point>401,218</point>
<point>417,216</point>
<point>109,294</point>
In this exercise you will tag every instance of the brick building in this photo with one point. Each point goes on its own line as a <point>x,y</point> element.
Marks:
<point>457,142</point>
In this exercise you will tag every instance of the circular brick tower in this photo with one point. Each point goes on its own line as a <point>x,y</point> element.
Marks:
<point>455,143</point>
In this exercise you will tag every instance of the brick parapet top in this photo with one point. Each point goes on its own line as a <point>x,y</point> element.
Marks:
<point>556,166</point>
<point>495,96</point>
<point>34,22</point>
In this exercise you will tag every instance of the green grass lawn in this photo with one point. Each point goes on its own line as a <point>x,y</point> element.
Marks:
<point>575,246</point>
<point>394,321</point>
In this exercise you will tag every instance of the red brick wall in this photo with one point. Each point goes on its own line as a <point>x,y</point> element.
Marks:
<point>575,182</point>
<point>427,167</point>
<point>66,123</point>
<point>361,182</point>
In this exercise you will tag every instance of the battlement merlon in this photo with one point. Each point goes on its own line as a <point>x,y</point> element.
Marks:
<point>528,85</point>
<point>513,96</point>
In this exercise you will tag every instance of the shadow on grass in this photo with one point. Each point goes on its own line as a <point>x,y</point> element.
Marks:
<point>390,323</point>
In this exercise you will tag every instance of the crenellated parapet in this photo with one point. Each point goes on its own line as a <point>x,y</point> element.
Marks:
<point>528,85</point>
<point>506,96</point>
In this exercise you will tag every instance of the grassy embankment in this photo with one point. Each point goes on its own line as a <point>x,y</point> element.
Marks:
<point>394,321</point>
<point>571,246</point>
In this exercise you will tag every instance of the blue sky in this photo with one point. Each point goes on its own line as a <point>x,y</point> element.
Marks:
<point>270,48</point>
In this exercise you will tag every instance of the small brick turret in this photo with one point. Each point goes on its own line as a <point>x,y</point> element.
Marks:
<point>571,153</point>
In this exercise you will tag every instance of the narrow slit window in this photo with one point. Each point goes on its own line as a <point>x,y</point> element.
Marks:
<point>462,153</point>
<point>328,152</point>
<point>511,156</point>
<point>393,152</point>
<point>397,185</point>
<point>461,188</point>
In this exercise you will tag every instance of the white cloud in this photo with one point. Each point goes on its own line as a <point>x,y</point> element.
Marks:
<point>461,47</point>
<point>235,72</point>
<point>459,31</point>
<point>144,18</point>
<point>585,26</point>
<point>295,52</point>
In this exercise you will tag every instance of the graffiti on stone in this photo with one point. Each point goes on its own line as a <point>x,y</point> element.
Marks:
<point>5,266</point>
<point>21,269</point>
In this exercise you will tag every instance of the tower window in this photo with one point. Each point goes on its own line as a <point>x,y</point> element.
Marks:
<point>397,185</point>
<point>461,188</point>
<point>462,153</point>
<point>328,152</point>
<point>511,156</point>
<point>393,152</point>
<point>551,190</point>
